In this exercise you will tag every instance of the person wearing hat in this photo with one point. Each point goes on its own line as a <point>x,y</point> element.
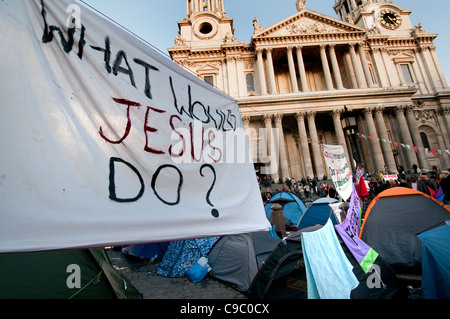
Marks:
<point>445,184</point>
<point>426,185</point>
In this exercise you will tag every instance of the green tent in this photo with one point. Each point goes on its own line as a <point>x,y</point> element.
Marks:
<point>65,274</point>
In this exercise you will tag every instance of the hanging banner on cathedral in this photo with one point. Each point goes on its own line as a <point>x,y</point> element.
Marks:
<point>106,142</point>
<point>339,169</point>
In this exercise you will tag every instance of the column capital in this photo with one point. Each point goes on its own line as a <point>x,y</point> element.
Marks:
<point>311,115</point>
<point>409,108</point>
<point>368,111</point>
<point>290,48</point>
<point>268,117</point>
<point>246,119</point>
<point>336,113</point>
<point>259,50</point>
<point>323,46</point>
<point>400,109</point>
<point>444,110</point>
<point>300,116</point>
<point>279,117</point>
<point>379,110</point>
<point>299,48</point>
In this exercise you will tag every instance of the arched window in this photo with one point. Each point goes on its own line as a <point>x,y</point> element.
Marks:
<point>425,141</point>
<point>250,82</point>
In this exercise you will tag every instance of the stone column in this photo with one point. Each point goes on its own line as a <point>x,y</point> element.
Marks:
<point>272,84</point>
<point>292,73</point>
<point>365,65</point>
<point>439,70</point>
<point>282,147</point>
<point>380,66</point>
<point>272,150</point>
<point>301,70</point>
<point>232,75</point>
<point>304,144</point>
<point>317,153</point>
<point>326,67</point>
<point>335,66</point>
<point>442,115</point>
<point>445,111</point>
<point>376,148</point>
<point>261,73</point>
<point>357,67</point>
<point>443,137</point>
<point>406,136</point>
<point>415,134</point>
<point>336,114</point>
<point>387,148</point>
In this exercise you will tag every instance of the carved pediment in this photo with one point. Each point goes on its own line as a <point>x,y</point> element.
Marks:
<point>208,68</point>
<point>307,22</point>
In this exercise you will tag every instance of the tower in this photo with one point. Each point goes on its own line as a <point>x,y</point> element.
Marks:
<point>205,25</point>
<point>381,16</point>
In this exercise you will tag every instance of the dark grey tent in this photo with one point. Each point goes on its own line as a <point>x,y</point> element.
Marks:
<point>283,275</point>
<point>45,275</point>
<point>237,259</point>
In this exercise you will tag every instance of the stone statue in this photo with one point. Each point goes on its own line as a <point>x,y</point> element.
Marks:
<point>301,5</point>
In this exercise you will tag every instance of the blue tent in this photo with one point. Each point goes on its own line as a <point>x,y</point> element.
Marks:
<point>436,263</point>
<point>147,251</point>
<point>318,213</point>
<point>292,210</point>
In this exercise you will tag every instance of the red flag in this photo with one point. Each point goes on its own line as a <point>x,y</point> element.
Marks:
<point>361,188</point>
<point>433,151</point>
<point>432,192</point>
<point>415,148</point>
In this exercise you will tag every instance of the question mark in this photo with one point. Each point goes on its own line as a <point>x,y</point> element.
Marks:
<point>214,212</point>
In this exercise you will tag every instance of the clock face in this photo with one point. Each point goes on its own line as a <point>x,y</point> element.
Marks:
<point>390,19</point>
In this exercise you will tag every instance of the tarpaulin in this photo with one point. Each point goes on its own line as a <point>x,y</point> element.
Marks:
<point>436,262</point>
<point>328,271</point>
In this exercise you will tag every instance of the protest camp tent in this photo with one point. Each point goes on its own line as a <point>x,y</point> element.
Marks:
<point>392,222</point>
<point>146,251</point>
<point>283,275</point>
<point>237,259</point>
<point>318,213</point>
<point>436,262</point>
<point>182,254</point>
<point>50,275</point>
<point>292,210</point>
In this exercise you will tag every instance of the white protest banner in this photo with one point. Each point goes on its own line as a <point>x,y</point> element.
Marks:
<point>339,169</point>
<point>105,141</point>
<point>390,177</point>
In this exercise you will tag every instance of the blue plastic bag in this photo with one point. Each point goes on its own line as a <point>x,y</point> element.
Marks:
<point>199,270</point>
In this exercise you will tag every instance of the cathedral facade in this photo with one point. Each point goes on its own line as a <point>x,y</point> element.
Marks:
<point>368,80</point>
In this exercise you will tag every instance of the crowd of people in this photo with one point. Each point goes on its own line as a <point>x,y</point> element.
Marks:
<point>305,188</point>
<point>435,183</point>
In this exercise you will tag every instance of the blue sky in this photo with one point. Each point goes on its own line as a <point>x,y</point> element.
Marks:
<point>156,21</point>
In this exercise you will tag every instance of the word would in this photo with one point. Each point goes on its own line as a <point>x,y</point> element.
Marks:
<point>196,110</point>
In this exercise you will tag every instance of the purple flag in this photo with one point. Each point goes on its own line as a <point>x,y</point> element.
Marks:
<point>349,232</point>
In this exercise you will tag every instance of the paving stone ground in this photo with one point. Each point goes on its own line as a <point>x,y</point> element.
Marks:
<point>142,274</point>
